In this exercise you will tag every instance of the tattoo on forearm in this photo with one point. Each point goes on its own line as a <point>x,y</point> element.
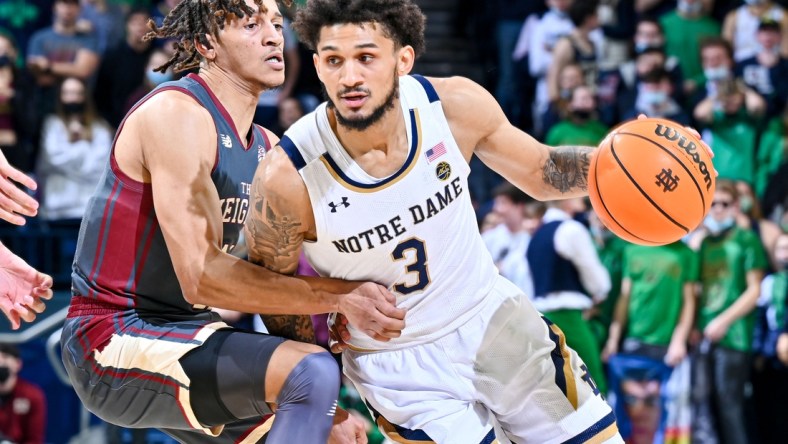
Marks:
<point>566,168</point>
<point>297,328</point>
<point>274,240</point>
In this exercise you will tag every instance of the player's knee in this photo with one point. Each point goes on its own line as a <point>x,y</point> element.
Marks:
<point>315,377</point>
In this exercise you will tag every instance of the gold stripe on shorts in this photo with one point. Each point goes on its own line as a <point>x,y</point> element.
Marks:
<point>607,433</point>
<point>569,374</point>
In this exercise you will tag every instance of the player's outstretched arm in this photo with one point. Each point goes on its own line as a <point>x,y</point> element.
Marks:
<point>280,218</point>
<point>15,203</point>
<point>23,289</point>
<point>544,172</point>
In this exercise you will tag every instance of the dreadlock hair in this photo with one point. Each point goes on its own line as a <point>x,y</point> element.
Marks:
<point>402,20</point>
<point>193,20</point>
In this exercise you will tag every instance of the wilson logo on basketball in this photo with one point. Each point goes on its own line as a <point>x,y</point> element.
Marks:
<point>667,180</point>
<point>688,146</point>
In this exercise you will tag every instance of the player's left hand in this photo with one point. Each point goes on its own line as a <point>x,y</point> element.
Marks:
<point>347,429</point>
<point>338,333</point>
<point>715,330</point>
<point>23,289</point>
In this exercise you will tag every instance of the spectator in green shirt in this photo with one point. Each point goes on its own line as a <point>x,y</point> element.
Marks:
<point>654,313</point>
<point>730,114</point>
<point>611,253</point>
<point>732,264</point>
<point>686,27</point>
<point>581,125</point>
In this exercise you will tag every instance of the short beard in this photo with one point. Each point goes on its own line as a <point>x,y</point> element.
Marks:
<point>362,123</point>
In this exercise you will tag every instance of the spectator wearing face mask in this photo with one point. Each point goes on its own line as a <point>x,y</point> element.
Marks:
<point>151,78</point>
<point>649,51</point>
<point>729,114</point>
<point>631,75</point>
<point>74,150</point>
<point>732,264</point>
<point>22,404</point>
<point>689,25</point>
<point>767,70</point>
<point>654,98</point>
<point>75,146</point>
<point>741,25</point>
<point>581,125</point>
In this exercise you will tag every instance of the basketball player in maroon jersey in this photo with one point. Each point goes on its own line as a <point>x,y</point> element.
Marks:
<point>140,343</point>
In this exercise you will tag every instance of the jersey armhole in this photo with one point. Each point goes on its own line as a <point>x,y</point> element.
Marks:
<point>432,95</point>
<point>266,140</point>
<point>292,152</point>
<point>115,166</point>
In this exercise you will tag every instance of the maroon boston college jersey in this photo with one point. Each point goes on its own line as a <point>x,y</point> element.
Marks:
<point>122,261</point>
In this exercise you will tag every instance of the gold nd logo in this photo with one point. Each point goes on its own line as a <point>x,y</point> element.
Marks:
<point>443,171</point>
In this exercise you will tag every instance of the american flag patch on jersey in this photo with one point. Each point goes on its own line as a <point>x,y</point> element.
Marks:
<point>436,151</point>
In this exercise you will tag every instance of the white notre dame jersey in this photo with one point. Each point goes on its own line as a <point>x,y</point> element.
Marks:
<point>414,231</point>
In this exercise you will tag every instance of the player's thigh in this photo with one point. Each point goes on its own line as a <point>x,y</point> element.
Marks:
<point>133,377</point>
<point>538,387</point>
<point>416,395</point>
<point>235,375</point>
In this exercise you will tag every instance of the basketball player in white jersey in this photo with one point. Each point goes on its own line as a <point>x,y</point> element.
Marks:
<point>373,185</point>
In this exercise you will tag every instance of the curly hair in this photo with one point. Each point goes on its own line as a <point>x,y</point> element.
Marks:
<point>193,20</point>
<point>402,20</point>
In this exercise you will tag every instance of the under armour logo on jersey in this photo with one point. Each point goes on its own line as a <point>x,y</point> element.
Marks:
<point>227,142</point>
<point>334,206</point>
<point>260,152</point>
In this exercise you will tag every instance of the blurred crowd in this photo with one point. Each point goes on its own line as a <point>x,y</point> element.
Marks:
<point>688,341</point>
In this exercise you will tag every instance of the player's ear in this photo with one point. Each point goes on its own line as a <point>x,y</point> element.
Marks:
<point>406,56</point>
<point>206,51</point>
<point>315,60</point>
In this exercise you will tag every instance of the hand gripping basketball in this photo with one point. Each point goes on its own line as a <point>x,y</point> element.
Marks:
<point>651,181</point>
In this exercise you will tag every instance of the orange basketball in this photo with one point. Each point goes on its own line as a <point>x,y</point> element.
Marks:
<point>651,181</point>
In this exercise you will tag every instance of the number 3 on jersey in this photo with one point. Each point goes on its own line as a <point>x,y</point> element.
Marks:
<point>417,265</point>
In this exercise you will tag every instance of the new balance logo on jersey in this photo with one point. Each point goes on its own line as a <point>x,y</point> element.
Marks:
<point>343,203</point>
<point>227,142</point>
